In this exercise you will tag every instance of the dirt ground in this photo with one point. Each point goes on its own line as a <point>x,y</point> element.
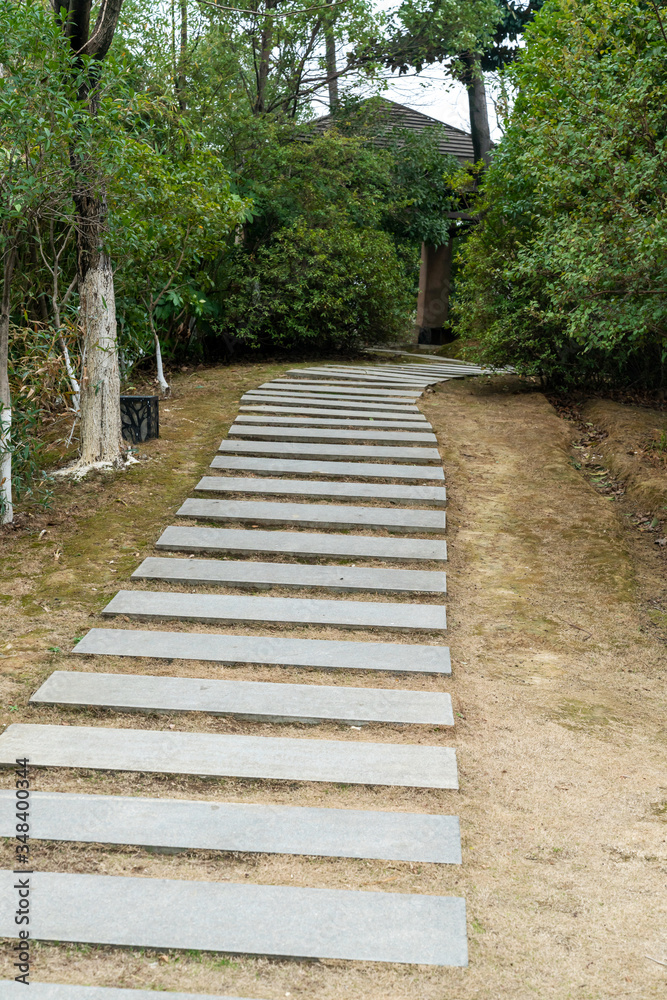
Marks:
<point>557,611</point>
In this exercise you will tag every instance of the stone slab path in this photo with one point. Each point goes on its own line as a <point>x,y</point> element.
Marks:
<point>245,699</point>
<point>330,402</point>
<point>309,424</point>
<point>273,757</point>
<point>365,374</point>
<point>313,923</point>
<point>299,543</point>
<point>289,449</point>
<point>315,515</point>
<point>338,388</point>
<point>237,573</point>
<point>336,415</point>
<point>10,990</point>
<point>283,610</point>
<point>436,495</point>
<point>325,654</point>
<point>317,434</point>
<point>245,420</point>
<point>234,826</point>
<point>360,470</point>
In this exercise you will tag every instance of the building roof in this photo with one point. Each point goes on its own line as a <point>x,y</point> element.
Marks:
<point>391,115</point>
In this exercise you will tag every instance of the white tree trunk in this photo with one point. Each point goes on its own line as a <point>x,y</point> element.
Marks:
<point>6,505</point>
<point>73,381</point>
<point>100,385</point>
<point>162,382</point>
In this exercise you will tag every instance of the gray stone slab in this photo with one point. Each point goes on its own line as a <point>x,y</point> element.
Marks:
<point>263,575</point>
<point>281,610</point>
<point>360,381</point>
<point>362,377</point>
<point>275,920</point>
<point>436,495</point>
<point>315,515</point>
<point>331,402</point>
<point>325,654</point>
<point>235,826</point>
<point>316,434</point>
<point>323,387</point>
<point>335,415</point>
<point>176,538</point>
<point>269,757</point>
<point>254,700</point>
<point>10,990</point>
<point>292,449</point>
<point>279,420</point>
<point>357,371</point>
<point>351,470</point>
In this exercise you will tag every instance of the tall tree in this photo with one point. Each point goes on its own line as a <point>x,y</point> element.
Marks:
<point>36,123</point>
<point>471,36</point>
<point>100,383</point>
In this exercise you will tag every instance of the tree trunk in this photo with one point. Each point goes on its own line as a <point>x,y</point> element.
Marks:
<point>6,505</point>
<point>180,79</point>
<point>100,385</point>
<point>262,71</point>
<point>332,77</point>
<point>479,114</point>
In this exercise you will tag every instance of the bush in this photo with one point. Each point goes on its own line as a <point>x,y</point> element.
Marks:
<point>320,289</point>
<point>566,277</point>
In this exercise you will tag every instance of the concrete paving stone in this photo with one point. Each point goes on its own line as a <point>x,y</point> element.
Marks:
<point>326,654</point>
<point>351,470</point>
<point>174,606</point>
<point>176,538</point>
<point>317,434</point>
<point>230,756</point>
<point>315,515</point>
<point>361,381</point>
<point>260,419</point>
<point>235,826</point>
<point>331,402</point>
<point>263,575</point>
<point>253,700</point>
<point>436,495</point>
<point>284,921</point>
<point>10,990</point>
<point>363,378</point>
<point>293,449</point>
<point>332,417</point>
<point>336,388</point>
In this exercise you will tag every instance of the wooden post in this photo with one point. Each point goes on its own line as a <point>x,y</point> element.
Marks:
<point>434,284</point>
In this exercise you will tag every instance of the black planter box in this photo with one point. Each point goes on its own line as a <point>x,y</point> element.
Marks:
<point>140,418</point>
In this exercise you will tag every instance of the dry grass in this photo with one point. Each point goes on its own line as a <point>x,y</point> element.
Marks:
<point>558,652</point>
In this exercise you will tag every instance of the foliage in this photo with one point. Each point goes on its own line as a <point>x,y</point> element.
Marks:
<point>423,187</point>
<point>320,289</point>
<point>567,275</point>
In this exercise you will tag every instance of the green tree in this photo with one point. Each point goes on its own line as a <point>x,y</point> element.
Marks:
<point>36,130</point>
<point>100,384</point>
<point>567,274</point>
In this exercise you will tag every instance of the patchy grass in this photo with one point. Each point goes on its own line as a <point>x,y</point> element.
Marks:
<point>555,604</point>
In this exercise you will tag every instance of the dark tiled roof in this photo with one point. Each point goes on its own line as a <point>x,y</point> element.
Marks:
<point>454,141</point>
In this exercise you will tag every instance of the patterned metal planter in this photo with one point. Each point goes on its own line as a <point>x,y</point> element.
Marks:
<point>140,417</point>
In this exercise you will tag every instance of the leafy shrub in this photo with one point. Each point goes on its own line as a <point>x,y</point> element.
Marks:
<point>320,289</point>
<point>566,277</point>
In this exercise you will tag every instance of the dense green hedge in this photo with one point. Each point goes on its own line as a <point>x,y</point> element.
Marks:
<point>566,276</point>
